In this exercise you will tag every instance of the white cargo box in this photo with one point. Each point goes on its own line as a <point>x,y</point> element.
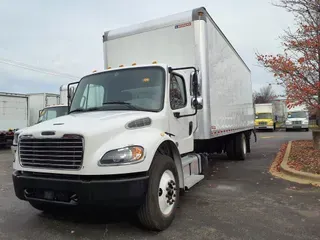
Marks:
<point>13,111</point>
<point>184,40</point>
<point>264,108</point>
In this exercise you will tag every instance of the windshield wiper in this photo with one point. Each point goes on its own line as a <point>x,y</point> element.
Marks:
<point>85,109</point>
<point>123,103</point>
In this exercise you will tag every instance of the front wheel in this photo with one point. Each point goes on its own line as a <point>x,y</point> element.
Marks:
<point>159,208</point>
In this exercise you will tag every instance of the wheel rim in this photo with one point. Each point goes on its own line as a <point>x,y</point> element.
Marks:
<point>167,192</point>
<point>244,146</point>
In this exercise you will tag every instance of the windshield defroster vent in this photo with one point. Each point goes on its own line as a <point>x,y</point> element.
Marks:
<point>139,123</point>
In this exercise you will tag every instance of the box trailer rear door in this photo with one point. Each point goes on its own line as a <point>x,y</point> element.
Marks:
<point>13,112</point>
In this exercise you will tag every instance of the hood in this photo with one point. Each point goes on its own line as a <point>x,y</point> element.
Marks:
<point>90,123</point>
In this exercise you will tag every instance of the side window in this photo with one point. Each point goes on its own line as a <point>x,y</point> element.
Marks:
<point>93,96</point>
<point>178,98</point>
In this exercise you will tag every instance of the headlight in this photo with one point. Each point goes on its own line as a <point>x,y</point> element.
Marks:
<point>288,122</point>
<point>127,155</point>
<point>305,122</point>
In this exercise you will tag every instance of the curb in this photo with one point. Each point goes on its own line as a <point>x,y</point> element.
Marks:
<point>312,178</point>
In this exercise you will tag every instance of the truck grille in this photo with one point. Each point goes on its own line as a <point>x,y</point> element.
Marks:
<point>52,153</point>
<point>262,123</point>
<point>296,122</point>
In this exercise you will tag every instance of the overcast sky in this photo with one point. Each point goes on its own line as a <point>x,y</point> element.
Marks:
<point>66,36</point>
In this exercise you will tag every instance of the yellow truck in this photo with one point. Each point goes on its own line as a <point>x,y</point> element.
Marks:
<point>264,117</point>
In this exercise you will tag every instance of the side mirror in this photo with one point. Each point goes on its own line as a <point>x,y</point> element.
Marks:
<point>197,103</point>
<point>71,93</point>
<point>195,84</point>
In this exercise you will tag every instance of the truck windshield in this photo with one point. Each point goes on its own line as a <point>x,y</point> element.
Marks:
<point>138,89</point>
<point>52,112</point>
<point>297,115</point>
<point>264,116</point>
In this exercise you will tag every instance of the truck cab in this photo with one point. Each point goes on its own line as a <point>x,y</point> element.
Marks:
<point>52,111</point>
<point>264,118</point>
<point>297,120</point>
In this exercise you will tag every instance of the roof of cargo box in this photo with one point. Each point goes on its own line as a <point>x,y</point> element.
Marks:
<point>174,19</point>
<point>7,94</point>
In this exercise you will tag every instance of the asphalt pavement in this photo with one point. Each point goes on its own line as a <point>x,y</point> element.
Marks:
<point>237,200</point>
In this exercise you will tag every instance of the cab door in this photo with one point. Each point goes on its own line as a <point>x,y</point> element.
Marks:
<point>180,103</point>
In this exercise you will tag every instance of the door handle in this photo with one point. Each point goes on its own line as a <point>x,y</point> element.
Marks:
<point>190,128</point>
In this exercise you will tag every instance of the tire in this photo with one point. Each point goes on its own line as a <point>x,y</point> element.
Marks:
<point>204,164</point>
<point>307,129</point>
<point>248,143</point>
<point>230,150</point>
<point>150,214</point>
<point>240,146</point>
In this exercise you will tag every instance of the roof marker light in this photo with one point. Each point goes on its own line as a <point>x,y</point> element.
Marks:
<point>121,65</point>
<point>154,62</point>
<point>133,64</point>
<point>109,67</point>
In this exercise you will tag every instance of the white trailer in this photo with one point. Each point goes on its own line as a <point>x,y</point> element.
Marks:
<point>138,132</point>
<point>13,111</point>
<point>37,102</point>
<point>13,115</point>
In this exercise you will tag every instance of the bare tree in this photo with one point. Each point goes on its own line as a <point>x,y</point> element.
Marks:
<point>265,95</point>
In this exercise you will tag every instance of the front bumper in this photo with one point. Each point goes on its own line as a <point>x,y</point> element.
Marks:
<point>264,127</point>
<point>124,190</point>
<point>297,126</point>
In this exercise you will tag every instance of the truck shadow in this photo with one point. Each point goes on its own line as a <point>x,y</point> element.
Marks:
<point>94,216</point>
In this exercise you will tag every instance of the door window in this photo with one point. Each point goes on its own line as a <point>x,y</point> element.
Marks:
<point>178,98</point>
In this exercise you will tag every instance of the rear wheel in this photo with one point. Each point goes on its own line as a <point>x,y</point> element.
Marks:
<point>240,146</point>
<point>230,148</point>
<point>159,208</point>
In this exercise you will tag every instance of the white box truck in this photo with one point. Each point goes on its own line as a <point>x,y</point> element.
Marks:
<point>38,101</point>
<point>297,118</point>
<point>13,115</point>
<point>138,132</point>
<point>265,116</point>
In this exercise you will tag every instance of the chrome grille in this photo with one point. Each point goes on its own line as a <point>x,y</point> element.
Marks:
<point>51,153</point>
<point>296,122</point>
<point>262,123</point>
